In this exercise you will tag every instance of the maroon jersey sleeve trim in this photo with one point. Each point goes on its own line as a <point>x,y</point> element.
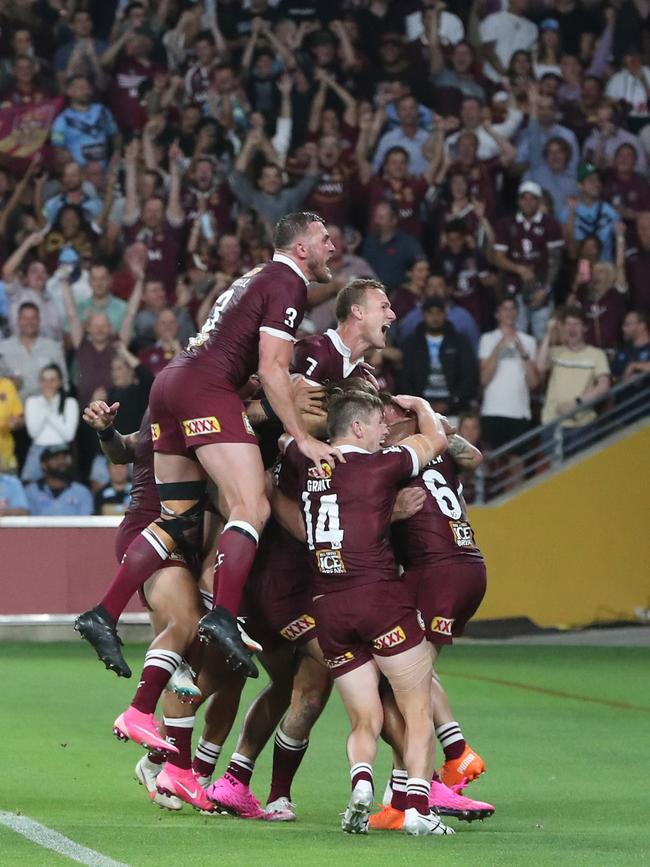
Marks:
<point>275,332</point>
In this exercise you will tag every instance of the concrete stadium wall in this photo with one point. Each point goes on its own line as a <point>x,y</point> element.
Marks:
<point>573,548</point>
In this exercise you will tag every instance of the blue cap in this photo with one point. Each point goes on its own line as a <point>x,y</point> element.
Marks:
<point>68,256</point>
<point>549,24</point>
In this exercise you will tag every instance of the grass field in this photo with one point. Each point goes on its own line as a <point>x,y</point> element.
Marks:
<point>564,732</point>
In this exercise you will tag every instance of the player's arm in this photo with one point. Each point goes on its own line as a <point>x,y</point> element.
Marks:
<point>464,454</point>
<point>287,513</point>
<point>118,448</point>
<point>274,360</point>
<point>408,502</point>
<point>432,439</point>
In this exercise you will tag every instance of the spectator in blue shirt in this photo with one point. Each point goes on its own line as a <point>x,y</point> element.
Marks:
<point>86,129</point>
<point>74,191</point>
<point>389,252</point>
<point>633,357</point>
<point>554,175</point>
<point>542,126</point>
<point>56,493</point>
<point>12,497</point>
<point>590,214</point>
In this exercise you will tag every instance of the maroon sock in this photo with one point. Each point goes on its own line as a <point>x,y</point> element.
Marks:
<point>237,549</point>
<point>205,758</point>
<point>143,557</point>
<point>417,795</point>
<point>398,781</point>
<point>159,665</point>
<point>241,768</point>
<point>288,753</point>
<point>435,777</point>
<point>361,771</point>
<point>451,740</point>
<point>179,733</point>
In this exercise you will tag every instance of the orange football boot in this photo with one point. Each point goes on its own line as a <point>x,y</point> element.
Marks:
<point>458,772</point>
<point>387,819</point>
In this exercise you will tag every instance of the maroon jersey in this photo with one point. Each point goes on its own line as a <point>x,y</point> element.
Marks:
<point>605,317</point>
<point>632,192</point>
<point>164,250</point>
<point>128,75</point>
<point>155,358</point>
<point>332,195</point>
<point>407,196</point>
<point>440,531</point>
<point>218,202</point>
<point>197,83</point>
<point>463,272</point>
<point>271,299</point>
<point>324,358</point>
<point>347,515</point>
<point>144,496</point>
<point>528,243</point>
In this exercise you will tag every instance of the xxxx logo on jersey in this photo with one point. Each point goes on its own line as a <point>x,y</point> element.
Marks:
<point>389,639</point>
<point>298,627</point>
<point>348,656</point>
<point>155,432</point>
<point>194,427</point>
<point>442,625</point>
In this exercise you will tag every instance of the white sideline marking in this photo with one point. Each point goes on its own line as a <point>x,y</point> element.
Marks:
<point>49,839</point>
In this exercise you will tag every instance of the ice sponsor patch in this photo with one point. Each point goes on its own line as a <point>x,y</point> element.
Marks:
<point>330,562</point>
<point>155,432</point>
<point>298,627</point>
<point>337,661</point>
<point>196,427</point>
<point>442,625</point>
<point>389,639</point>
<point>463,534</point>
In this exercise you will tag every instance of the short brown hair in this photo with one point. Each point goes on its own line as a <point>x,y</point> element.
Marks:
<point>354,293</point>
<point>289,227</point>
<point>573,312</point>
<point>346,407</point>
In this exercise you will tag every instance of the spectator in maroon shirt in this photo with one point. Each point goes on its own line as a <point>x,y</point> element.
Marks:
<point>603,302</point>
<point>25,87</point>
<point>167,344</point>
<point>159,228</point>
<point>204,192</point>
<point>638,265</point>
<point>466,271</point>
<point>332,195</point>
<point>129,61</point>
<point>411,292</point>
<point>627,190</point>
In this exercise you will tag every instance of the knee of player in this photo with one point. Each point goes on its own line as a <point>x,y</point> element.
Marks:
<point>312,703</point>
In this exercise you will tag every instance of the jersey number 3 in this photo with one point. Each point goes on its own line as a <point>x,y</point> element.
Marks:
<point>328,526</point>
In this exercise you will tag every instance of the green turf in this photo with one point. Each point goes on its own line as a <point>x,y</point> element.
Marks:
<point>568,776</point>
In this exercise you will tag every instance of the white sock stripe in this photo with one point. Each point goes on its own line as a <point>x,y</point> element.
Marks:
<point>243,760</point>
<point>359,767</point>
<point>157,544</point>
<point>245,526</point>
<point>399,775</point>
<point>164,654</point>
<point>209,748</point>
<point>449,733</point>
<point>207,599</point>
<point>290,744</point>
<point>184,722</point>
<point>447,728</point>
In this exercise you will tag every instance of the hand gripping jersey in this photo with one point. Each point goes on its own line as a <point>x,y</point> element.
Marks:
<point>347,514</point>
<point>440,531</point>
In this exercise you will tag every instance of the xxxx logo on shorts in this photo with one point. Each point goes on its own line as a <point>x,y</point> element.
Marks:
<point>298,627</point>
<point>389,639</point>
<point>348,656</point>
<point>195,427</point>
<point>155,432</point>
<point>442,625</point>
<point>247,425</point>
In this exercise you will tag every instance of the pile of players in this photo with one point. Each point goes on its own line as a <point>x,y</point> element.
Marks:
<point>309,553</point>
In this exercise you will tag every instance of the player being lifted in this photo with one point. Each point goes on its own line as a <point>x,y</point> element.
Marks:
<point>367,622</point>
<point>200,429</point>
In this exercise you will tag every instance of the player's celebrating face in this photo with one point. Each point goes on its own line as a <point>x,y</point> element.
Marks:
<point>316,246</point>
<point>359,418</point>
<point>376,316</point>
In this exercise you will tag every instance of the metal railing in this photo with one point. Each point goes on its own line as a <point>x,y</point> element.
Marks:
<point>548,446</point>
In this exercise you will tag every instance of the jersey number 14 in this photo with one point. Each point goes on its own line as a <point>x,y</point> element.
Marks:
<point>327,529</point>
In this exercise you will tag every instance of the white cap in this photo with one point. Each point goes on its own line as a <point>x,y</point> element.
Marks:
<point>530,187</point>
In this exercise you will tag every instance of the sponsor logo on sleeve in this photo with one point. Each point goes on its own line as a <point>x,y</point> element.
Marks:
<point>298,627</point>
<point>155,432</point>
<point>330,562</point>
<point>442,625</point>
<point>463,534</point>
<point>196,427</point>
<point>247,425</point>
<point>389,639</point>
<point>337,661</point>
<point>312,472</point>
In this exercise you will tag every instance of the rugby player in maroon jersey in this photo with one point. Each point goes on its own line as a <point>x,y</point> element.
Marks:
<point>445,571</point>
<point>200,429</point>
<point>367,623</point>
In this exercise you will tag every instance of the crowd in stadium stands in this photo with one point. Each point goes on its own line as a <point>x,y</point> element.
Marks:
<point>487,160</point>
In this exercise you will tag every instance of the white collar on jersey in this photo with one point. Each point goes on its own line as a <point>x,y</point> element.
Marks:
<point>280,257</point>
<point>345,449</point>
<point>342,349</point>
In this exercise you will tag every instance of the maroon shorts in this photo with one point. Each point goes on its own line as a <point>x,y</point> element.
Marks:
<point>373,620</point>
<point>278,602</point>
<point>448,595</point>
<point>132,525</point>
<point>188,410</point>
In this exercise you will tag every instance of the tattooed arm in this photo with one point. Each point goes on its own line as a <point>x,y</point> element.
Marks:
<point>465,455</point>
